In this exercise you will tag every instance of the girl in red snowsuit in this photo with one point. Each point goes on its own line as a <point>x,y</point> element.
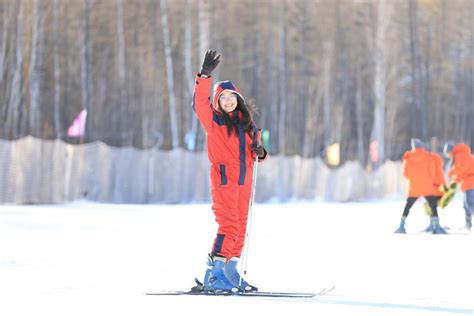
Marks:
<point>233,144</point>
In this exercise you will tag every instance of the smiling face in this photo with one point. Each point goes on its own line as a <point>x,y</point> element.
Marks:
<point>228,101</point>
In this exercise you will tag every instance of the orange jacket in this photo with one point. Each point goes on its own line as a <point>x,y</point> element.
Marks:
<point>462,170</point>
<point>424,172</point>
<point>230,153</point>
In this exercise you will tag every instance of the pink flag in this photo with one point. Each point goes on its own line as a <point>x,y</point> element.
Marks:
<point>374,151</point>
<point>78,126</point>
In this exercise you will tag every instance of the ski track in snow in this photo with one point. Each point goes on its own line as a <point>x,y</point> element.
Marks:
<point>89,258</point>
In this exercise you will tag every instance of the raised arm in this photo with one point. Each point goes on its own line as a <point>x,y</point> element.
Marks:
<point>202,104</point>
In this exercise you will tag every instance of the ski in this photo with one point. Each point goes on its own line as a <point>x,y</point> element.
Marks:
<point>322,292</point>
<point>247,294</point>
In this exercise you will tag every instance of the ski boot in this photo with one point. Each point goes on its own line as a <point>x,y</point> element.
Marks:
<point>230,271</point>
<point>215,279</point>
<point>437,229</point>
<point>401,229</point>
<point>468,225</point>
<point>429,228</point>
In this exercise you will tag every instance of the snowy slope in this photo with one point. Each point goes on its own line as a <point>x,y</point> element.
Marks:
<point>100,259</point>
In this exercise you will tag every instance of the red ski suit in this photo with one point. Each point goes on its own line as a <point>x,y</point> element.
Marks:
<point>424,172</point>
<point>462,170</point>
<point>232,161</point>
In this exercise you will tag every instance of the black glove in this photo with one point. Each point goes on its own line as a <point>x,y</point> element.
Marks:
<point>259,151</point>
<point>210,62</point>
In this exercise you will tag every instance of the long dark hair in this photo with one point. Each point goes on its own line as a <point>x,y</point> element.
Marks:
<point>246,108</point>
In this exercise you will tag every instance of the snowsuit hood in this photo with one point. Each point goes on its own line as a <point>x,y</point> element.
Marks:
<point>461,148</point>
<point>424,172</point>
<point>462,170</point>
<point>220,87</point>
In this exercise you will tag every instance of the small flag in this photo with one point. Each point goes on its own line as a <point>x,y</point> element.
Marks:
<point>266,139</point>
<point>333,154</point>
<point>374,151</point>
<point>78,126</point>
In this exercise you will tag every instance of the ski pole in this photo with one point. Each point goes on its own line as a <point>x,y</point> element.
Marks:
<point>249,222</point>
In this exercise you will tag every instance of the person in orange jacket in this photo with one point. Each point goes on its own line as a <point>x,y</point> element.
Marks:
<point>462,172</point>
<point>233,144</point>
<point>424,172</point>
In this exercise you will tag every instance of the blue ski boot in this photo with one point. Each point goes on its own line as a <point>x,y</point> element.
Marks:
<point>429,228</point>
<point>234,277</point>
<point>214,279</point>
<point>437,229</point>
<point>401,229</point>
<point>468,225</point>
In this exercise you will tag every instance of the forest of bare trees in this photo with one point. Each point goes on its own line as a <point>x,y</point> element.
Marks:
<point>351,72</point>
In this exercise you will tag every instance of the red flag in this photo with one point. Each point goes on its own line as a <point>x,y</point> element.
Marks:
<point>78,126</point>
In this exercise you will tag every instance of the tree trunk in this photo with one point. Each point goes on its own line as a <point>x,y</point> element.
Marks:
<point>169,76</point>
<point>470,131</point>
<point>283,75</point>
<point>4,42</point>
<point>122,75</point>
<point>310,146</point>
<point>57,72</point>
<point>205,21</point>
<point>268,117</point>
<point>12,126</point>
<point>204,26</point>
<point>35,75</point>
<point>189,75</point>
<point>303,85</point>
<point>157,87</point>
<point>360,118</point>
<point>378,128</point>
<point>416,117</point>
<point>328,51</point>
<point>86,55</point>
<point>3,66</point>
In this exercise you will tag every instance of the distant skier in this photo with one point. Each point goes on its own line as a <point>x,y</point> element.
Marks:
<point>424,172</point>
<point>462,172</point>
<point>233,142</point>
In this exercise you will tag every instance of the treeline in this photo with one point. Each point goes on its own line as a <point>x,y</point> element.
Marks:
<point>320,72</point>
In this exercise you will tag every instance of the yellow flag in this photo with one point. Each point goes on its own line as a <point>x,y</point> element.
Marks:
<point>333,155</point>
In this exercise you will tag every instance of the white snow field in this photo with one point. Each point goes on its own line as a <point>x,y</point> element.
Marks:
<point>100,259</point>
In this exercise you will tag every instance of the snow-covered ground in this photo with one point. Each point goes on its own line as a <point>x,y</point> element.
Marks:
<point>99,259</point>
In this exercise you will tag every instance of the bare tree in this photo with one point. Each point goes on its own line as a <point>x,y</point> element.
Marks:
<point>189,73</point>
<point>169,76</point>
<point>122,68</point>
<point>35,74</point>
<point>86,55</point>
<point>418,123</point>
<point>204,26</point>
<point>470,131</point>
<point>324,71</point>
<point>12,117</point>
<point>57,70</point>
<point>4,88</point>
<point>283,88</point>
<point>328,53</point>
<point>301,78</point>
<point>378,129</point>
<point>4,40</point>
